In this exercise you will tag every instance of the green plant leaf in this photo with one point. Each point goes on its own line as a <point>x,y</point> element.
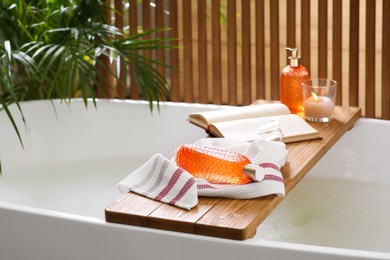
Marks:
<point>54,50</point>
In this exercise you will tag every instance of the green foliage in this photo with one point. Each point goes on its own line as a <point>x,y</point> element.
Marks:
<point>54,49</point>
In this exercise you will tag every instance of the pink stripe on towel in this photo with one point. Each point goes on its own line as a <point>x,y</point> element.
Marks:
<point>170,184</point>
<point>205,186</point>
<point>270,165</point>
<point>271,177</point>
<point>183,191</point>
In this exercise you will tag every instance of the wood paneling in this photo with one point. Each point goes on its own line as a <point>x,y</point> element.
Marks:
<point>231,51</point>
<point>386,60</point>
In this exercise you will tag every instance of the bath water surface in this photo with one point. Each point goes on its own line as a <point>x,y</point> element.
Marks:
<point>84,188</point>
<point>336,213</point>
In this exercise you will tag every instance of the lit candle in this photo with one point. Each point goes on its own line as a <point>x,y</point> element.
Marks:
<point>318,106</point>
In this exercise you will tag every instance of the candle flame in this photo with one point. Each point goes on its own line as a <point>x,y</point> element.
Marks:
<point>315,97</point>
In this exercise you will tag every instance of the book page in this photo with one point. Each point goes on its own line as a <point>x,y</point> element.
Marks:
<point>235,113</point>
<point>293,127</point>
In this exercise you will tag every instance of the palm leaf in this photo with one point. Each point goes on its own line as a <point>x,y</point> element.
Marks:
<point>57,51</point>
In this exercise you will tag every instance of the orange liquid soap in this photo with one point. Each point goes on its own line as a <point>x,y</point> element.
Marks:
<point>216,166</point>
<point>290,84</point>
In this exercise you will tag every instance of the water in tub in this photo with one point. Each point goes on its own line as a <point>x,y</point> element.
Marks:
<point>343,201</point>
<point>332,213</point>
<point>84,187</point>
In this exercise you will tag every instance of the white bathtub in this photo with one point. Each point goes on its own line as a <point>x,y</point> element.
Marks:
<point>54,192</point>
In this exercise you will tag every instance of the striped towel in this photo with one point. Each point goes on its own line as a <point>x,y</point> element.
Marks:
<point>162,180</point>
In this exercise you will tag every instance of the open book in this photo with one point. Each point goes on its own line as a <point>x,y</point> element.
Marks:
<point>243,123</point>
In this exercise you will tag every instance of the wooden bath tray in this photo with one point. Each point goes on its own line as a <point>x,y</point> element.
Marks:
<point>232,218</point>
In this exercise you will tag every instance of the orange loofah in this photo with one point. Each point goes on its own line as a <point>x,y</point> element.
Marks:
<point>214,165</point>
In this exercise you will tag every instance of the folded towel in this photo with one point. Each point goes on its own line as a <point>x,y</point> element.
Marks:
<point>162,180</point>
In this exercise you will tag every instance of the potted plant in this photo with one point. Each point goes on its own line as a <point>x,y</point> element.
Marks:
<point>53,49</point>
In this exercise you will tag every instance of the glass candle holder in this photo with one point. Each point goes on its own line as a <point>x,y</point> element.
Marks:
<point>319,96</point>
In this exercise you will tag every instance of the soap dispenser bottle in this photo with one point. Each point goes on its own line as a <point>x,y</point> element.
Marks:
<point>290,83</point>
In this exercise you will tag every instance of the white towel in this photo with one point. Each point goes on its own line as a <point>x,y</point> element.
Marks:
<point>161,179</point>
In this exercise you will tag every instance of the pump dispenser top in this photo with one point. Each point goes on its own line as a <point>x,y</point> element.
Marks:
<point>294,58</point>
<point>290,83</point>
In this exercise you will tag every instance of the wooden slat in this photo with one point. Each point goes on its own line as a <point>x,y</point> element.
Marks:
<point>246,51</point>
<point>260,49</point>
<point>337,49</point>
<point>370,58</point>
<point>386,60</point>
<point>322,38</point>
<point>160,54</point>
<point>232,218</point>
<point>202,51</point>
<point>169,217</point>
<point>146,23</point>
<point>275,69</point>
<point>232,51</point>
<point>174,53</point>
<point>132,209</point>
<point>187,41</point>
<point>354,53</point>
<point>216,51</point>
<point>133,22</point>
<point>104,66</point>
<point>120,84</point>
<point>291,25</point>
<point>236,219</point>
<point>305,34</point>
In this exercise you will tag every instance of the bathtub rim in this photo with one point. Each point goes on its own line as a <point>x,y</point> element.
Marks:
<point>286,246</point>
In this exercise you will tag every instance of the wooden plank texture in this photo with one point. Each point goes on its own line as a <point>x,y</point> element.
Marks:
<point>232,51</point>
<point>305,34</point>
<point>216,51</point>
<point>354,53</point>
<point>174,53</point>
<point>133,21</point>
<point>169,217</point>
<point>202,51</point>
<point>370,58</point>
<point>233,218</point>
<point>274,42</point>
<point>260,50</point>
<point>386,61</point>
<point>187,41</point>
<point>322,38</point>
<point>337,67</point>
<point>246,52</point>
<point>291,25</point>
<point>120,84</point>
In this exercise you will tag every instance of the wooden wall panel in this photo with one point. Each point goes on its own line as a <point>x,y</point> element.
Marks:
<point>260,49</point>
<point>174,53</point>
<point>370,58</point>
<point>354,53</point>
<point>274,42</point>
<point>230,48</point>
<point>133,22</point>
<point>216,52</point>
<point>202,51</point>
<point>187,41</point>
<point>386,60</point>
<point>232,51</point>
<point>337,67</point>
<point>322,38</point>
<point>246,52</point>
